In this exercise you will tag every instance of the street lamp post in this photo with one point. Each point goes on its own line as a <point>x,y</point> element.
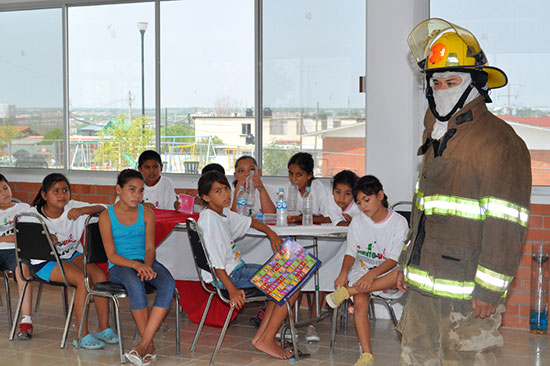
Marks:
<point>142,26</point>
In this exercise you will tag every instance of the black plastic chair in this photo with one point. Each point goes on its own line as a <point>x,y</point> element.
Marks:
<point>33,241</point>
<point>202,262</point>
<point>94,252</point>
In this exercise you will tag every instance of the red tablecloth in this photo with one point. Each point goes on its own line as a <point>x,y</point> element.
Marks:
<point>165,220</point>
<point>193,297</point>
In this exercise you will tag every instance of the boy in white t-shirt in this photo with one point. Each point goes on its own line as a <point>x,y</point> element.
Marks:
<point>220,228</point>
<point>374,243</point>
<point>159,190</point>
<point>8,210</point>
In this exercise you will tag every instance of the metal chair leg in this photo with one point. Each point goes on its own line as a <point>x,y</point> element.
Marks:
<point>201,324</point>
<point>68,321</point>
<point>292,332</point>
<point>333,329</point>
<point>177,322</point>
<point>8,297</point>
<point>18,311</point>
<point>222,335</point>
<point>38,297</point>
<point>119,329</point>
<point>64,296</point>
<point>389,306</point>
<point>84,315</point>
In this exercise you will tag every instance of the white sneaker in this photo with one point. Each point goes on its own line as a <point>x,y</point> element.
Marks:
<point>311,334</point>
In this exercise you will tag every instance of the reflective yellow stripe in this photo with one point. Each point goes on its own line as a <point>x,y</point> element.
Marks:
<point>470,208</point>
<point>492,280</point>
<point>438,286</point>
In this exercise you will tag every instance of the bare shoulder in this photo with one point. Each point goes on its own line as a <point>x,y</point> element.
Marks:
<point>104,216</point>
<point>148,213</point>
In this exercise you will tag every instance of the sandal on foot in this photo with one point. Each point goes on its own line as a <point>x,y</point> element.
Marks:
<point>107,335</point>
<point>152,356</point>
<point>89,342</point>
<point>134,357</point>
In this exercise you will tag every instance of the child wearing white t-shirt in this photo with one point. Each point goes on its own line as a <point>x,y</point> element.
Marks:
<point>159,190</point>
<point>8,210</point>
<point>65,220</point>
<point>244,166</point>
<point>374,242</point>
<point>342,208</point>
<point>220,228</point>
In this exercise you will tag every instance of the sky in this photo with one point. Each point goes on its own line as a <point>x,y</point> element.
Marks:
<point>313,53</point>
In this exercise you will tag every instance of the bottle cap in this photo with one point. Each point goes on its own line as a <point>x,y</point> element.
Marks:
<point>241,188</point>
<point>308,189</point>
<point>281,189</point>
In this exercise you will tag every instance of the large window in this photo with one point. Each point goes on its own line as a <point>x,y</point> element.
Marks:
<point>514,39</point>
<point>314,53</point>
<point>31,89</point>
<point>207,82</point>
<point>205,102</point>
<point>111,104</point>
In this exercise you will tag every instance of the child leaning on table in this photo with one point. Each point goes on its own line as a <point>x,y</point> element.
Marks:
<point>159,190</point>
<point>128,232</point>
<point>374,242</point>
<point>342,207</point>
<point>220,228</point>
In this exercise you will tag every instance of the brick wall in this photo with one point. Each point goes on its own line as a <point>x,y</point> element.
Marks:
<point>517,302</point>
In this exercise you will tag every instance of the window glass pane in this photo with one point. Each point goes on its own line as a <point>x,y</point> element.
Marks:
<point>31,91</point>
<point>111,123</point>
<point>510,35</point>
<point>313,54</point>
<point>207,81</point>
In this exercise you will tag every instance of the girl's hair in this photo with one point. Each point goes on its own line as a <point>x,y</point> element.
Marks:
<point>126,175</point>
<point>3,179</point>
<point>47,183</point>
<point>304,162</point>
<point>346,177</point>
<point>207,180</point>
<point>245,157</point>
<point>369,185</point>
<point>213,166</point>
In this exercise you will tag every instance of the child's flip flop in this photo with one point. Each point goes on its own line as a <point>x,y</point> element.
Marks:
<point>134,357</point>
<point>89,342</point>
<point>107,335</point>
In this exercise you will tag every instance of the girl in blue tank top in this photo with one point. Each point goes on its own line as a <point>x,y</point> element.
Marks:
<point>128,233</point>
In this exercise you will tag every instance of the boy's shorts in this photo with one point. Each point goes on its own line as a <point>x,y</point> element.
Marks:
<point>44,270</point>
<point>7,259</point>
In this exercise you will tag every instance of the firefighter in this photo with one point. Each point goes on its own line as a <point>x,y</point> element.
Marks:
<point>470,207</point>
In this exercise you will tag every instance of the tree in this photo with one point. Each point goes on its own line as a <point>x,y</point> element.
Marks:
<point>7,134</point>
<point>276,157</point>
<point>180,129</point>
<point>122,141</point>
<point>55,137</point>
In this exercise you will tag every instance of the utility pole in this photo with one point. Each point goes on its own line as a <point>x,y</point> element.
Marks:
<point>129,105</point>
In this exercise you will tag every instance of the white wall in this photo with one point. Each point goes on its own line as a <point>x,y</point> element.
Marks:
<point>394,103</point>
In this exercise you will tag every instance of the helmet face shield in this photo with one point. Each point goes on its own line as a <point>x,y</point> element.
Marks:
<point>438,45</point>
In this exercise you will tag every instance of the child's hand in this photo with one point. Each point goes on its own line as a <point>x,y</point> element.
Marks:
<point>258,182</point>
<point>294,219</point>
<point>341,280</point>
<point>54,238</point>
<point>177,205</point>
<point>148,205</point>
<point>365,282</point>
<point>75,213</point>
<point>401,281</point>
<point>237,298</point>
<point>276,242</point>
<point>144,271</point>
<point>347,217</point>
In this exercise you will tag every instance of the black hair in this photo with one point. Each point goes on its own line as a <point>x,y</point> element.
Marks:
<point>3,178</point>
<point>206,181</point>
<point>126,175</point>
<point>47,183</point>
<point>304,161</point>
<point>149,155</point>
<point>245,157</point>
<point>369,185</point>
<point>213,166</point>
<point>346,177</point>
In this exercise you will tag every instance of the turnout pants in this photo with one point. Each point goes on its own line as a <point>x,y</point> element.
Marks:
<point>439,331</point>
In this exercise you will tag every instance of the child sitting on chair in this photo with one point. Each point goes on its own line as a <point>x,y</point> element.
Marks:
<point>128,232</point>
<point>8,210</point>
<point>220,227</point>
<point>342,208</point>
<point>375,240</point>
<point>159,190</point>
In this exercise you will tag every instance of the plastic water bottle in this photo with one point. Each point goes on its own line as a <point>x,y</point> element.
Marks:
<point>251,188</point>
<point>538,314</point>
<point>292,199</point>
<point>241,201</point>
<point>282,208</point>
<point>307,209</point>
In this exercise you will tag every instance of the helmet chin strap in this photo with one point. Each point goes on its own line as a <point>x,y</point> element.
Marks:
<point>431,102</point>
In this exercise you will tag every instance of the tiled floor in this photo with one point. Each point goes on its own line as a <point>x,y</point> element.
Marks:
<point>521,348</point>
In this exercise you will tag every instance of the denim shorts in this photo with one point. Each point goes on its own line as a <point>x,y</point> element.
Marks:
<point>164,283</point>
<point>7,259</point>
<point>241,275</point>
<point>44,269</point>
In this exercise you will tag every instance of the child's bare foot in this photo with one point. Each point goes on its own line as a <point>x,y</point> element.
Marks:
<point>150,353</point>
<point>272,348</point>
